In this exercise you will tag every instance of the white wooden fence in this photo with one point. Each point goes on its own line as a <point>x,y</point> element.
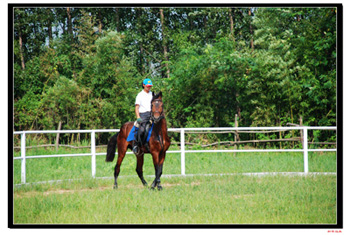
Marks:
<point>182,150</point>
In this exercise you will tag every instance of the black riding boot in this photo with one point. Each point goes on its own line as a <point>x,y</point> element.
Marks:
<point>144,139</point>
<point>136,148</point>
<point>139,137</point>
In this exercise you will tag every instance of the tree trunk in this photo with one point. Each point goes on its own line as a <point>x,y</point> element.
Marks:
<point>99,21</point>
<point>251,28</point>
<point>165,50</point>
<point>231,20</point>
<point>139,24</point>
<point>21,50</point>
<point>117,19</point>
<point>69,22</point>
<point>49,26</point>
<point>70,35</point>
<point>231,23</point>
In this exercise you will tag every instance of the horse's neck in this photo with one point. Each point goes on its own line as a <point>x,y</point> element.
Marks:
<point>161,125</point>
<point>163,122</point>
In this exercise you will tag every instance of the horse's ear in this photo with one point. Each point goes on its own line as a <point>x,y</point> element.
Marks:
<point>160,94</point>
<point>152,94</point>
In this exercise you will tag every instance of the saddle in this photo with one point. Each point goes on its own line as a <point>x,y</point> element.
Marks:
<point>144,137</point>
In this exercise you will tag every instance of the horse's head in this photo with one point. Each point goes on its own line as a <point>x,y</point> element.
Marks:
<point>157,107</point>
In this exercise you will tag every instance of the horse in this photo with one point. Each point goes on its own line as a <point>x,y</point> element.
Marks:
<point>159,143</point>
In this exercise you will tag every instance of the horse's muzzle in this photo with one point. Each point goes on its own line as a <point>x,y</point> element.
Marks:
<point>156,120</point>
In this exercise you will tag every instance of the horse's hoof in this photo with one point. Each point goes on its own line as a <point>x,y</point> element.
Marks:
<point>115,186</point>
<point>160,188</point>
<point>144,182</point>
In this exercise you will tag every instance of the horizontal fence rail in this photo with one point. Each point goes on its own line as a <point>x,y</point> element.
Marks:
<point>182,150</point>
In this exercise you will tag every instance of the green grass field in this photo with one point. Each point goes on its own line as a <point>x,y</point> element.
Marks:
<point>184,200</point>
<point>229,199</point>
<point>60,168</point>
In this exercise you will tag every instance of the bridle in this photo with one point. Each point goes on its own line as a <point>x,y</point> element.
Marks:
<point>156,120</point>
<point>161,116</point>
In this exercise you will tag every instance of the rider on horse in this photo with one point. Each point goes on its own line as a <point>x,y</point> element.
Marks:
<point>143,114</point>
<point>149,113</point>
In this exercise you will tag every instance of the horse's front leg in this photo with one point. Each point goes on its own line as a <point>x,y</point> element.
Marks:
<point>156,182</point>
<point>158,167</point>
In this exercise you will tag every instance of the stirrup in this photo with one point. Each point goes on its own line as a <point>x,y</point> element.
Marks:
<point>136,150</point>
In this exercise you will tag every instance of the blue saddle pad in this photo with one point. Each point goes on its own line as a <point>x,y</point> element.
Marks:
<point>134,129</point>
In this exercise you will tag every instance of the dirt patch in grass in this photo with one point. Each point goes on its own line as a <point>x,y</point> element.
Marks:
<point>68,191</point>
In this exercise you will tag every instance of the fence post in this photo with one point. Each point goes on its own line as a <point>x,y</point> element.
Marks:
<point>236,133</point>
<point>182,151</point>
<point>93,154</point>
<point>58,135</point>
<point>306,163</point>
<point>23,156</point>
<point>301,132</point>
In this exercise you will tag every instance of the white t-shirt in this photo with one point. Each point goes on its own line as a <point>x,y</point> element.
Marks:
<point>144,100</point>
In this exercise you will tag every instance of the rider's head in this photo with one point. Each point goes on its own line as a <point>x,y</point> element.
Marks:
<point>147,83</point>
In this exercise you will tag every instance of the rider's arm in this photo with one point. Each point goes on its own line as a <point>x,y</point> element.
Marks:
<point>137,111</point>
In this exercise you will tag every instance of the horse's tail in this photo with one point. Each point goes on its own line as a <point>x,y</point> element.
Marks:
<point>112,145</point>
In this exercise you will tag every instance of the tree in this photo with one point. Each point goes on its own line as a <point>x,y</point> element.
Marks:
<point>164,42</point>
<point>203,58</point>
<point>66,102</point>
<point>293,47</point>
<point>20,33</point>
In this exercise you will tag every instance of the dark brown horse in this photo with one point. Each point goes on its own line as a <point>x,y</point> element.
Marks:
<point>158,144</point>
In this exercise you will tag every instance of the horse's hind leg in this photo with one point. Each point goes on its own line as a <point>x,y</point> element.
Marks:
<point>121,154</point>
<point>139,169</point>
<point>117,171</point>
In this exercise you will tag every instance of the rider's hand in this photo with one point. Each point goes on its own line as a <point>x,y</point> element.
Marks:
<point>139,120</point>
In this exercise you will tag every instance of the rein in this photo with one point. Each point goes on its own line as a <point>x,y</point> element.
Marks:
<point>156,120</point>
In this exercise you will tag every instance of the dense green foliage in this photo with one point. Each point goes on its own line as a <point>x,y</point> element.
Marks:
<point>84,66</point>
